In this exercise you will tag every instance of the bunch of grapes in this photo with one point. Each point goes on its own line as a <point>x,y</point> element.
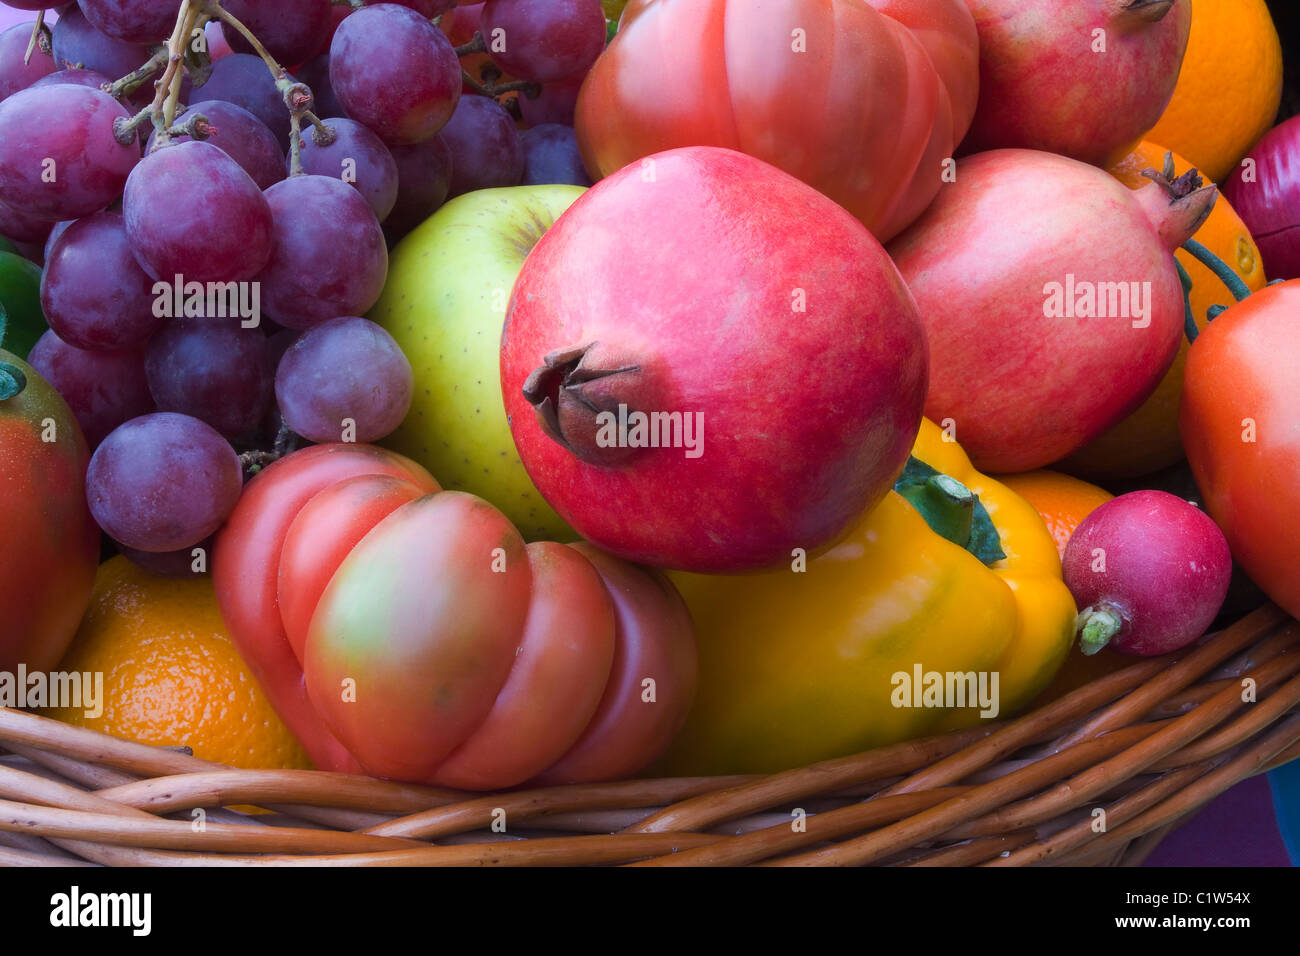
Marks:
<point>213,186</point>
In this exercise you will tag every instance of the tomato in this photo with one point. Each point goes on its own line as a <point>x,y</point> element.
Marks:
<point>51,544</point>
<point>409,632</point>
<point>864,101</point>
<point>1240,424</point>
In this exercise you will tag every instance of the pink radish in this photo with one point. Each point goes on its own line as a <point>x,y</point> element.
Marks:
<point>1149,571</point>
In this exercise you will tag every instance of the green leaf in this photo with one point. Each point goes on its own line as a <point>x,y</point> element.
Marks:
<point>951,510</point>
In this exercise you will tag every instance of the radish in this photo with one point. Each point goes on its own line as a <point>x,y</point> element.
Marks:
<point>1150,572</point>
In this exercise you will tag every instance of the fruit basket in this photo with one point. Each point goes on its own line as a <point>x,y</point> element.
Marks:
<point>1093,778</point>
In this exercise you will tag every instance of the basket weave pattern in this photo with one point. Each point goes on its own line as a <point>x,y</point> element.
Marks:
<point>1147,745</point>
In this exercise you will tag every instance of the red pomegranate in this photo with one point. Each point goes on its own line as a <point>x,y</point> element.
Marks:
<point>1051,300</point>
<point>707,364</point>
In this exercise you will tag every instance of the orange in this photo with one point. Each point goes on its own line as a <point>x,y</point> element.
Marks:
<point>171,675</point>
<point>1061,501</point>
<point>1229,89</point>
<point>1148,439</point>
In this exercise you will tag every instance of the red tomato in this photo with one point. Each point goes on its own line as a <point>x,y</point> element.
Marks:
<point>51,543</point>
<point>409,633</point>
<point>1240,422</point>
<point>861,100</point>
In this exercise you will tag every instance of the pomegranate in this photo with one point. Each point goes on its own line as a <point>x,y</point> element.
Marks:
<point>1051,298</point>
<point>1084,79</point>
<point>707,364</point>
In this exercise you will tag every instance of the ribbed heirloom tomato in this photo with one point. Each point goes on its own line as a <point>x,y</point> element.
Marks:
<point>409,632</point>
<point>861,99</point>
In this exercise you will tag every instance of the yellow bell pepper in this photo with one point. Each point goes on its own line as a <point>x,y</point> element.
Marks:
<point>821,659</point>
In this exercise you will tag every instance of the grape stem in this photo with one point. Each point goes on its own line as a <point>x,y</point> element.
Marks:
<point>297,96</point>
<point>476,45</point>
<point>131,82</point>
<point>491,90</point>
<point>163,108</point>
<point>40,37</point>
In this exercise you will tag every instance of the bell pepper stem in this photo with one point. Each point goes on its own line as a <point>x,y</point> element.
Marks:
<point>947,505</point>
<point>1235,285</point>
<point>12,381</point>
<point>1096,626</point>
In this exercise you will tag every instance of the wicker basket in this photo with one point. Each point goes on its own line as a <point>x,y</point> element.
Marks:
<point>1147,745</point>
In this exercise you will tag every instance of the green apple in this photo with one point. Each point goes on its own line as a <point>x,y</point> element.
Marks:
<point>449,283</point>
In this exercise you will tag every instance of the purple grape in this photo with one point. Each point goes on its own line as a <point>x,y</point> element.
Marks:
<point>423,180</point>
<point>556,103</point>
<point>74,78</point>
<point>135,21</point>
<point>291,30</point>
<point>316,74</point>
<point>427,8</point>
<point>214,370</point>
<point>343,370</point>
<point>58,157</point>
<point>21,227</point>
<point>485,148</point>
<point>16,75</point>
<point>192,211</point>
<point>244,80</point>
<point>93,293</point>
<point>170,564</point>
<point>241,136</point>
<point>103,389</point>
<point>552,157</point>
<point>328,256</point>
<point>26,4</point>
<point>357,156</point>
<point>77,44</point>
<point>163,482</point>
<point>59,229</point>
<point>395,72</point>
<point>544,40</point>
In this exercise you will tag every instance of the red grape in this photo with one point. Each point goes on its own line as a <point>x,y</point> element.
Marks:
<point>344,369</point>
<point>485,148</point>
<point>103,389</point>
<point>328,256</point>
<point>163,482</point>
<point>59,229</point>
<point>423,181</point>
<point>291,30</point>
<point>316,74</point>
<point>58,157</point>
<point>170,564</point>
<point>427,8</point>
<point>16,75</point>
<point>192,211</point>
<point>21,227</point>
<point>135,21</point>
<point>551,156</point>
<point>73,77</point>
<point>356,156</point>
<point>244,80</point>
<point>77,44</point>
<point>93,293</point>
<point>395,72</point>
<point>544,40</point>
<point>214,370</point>
<point>241,136</point>
<point>556,103</point>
